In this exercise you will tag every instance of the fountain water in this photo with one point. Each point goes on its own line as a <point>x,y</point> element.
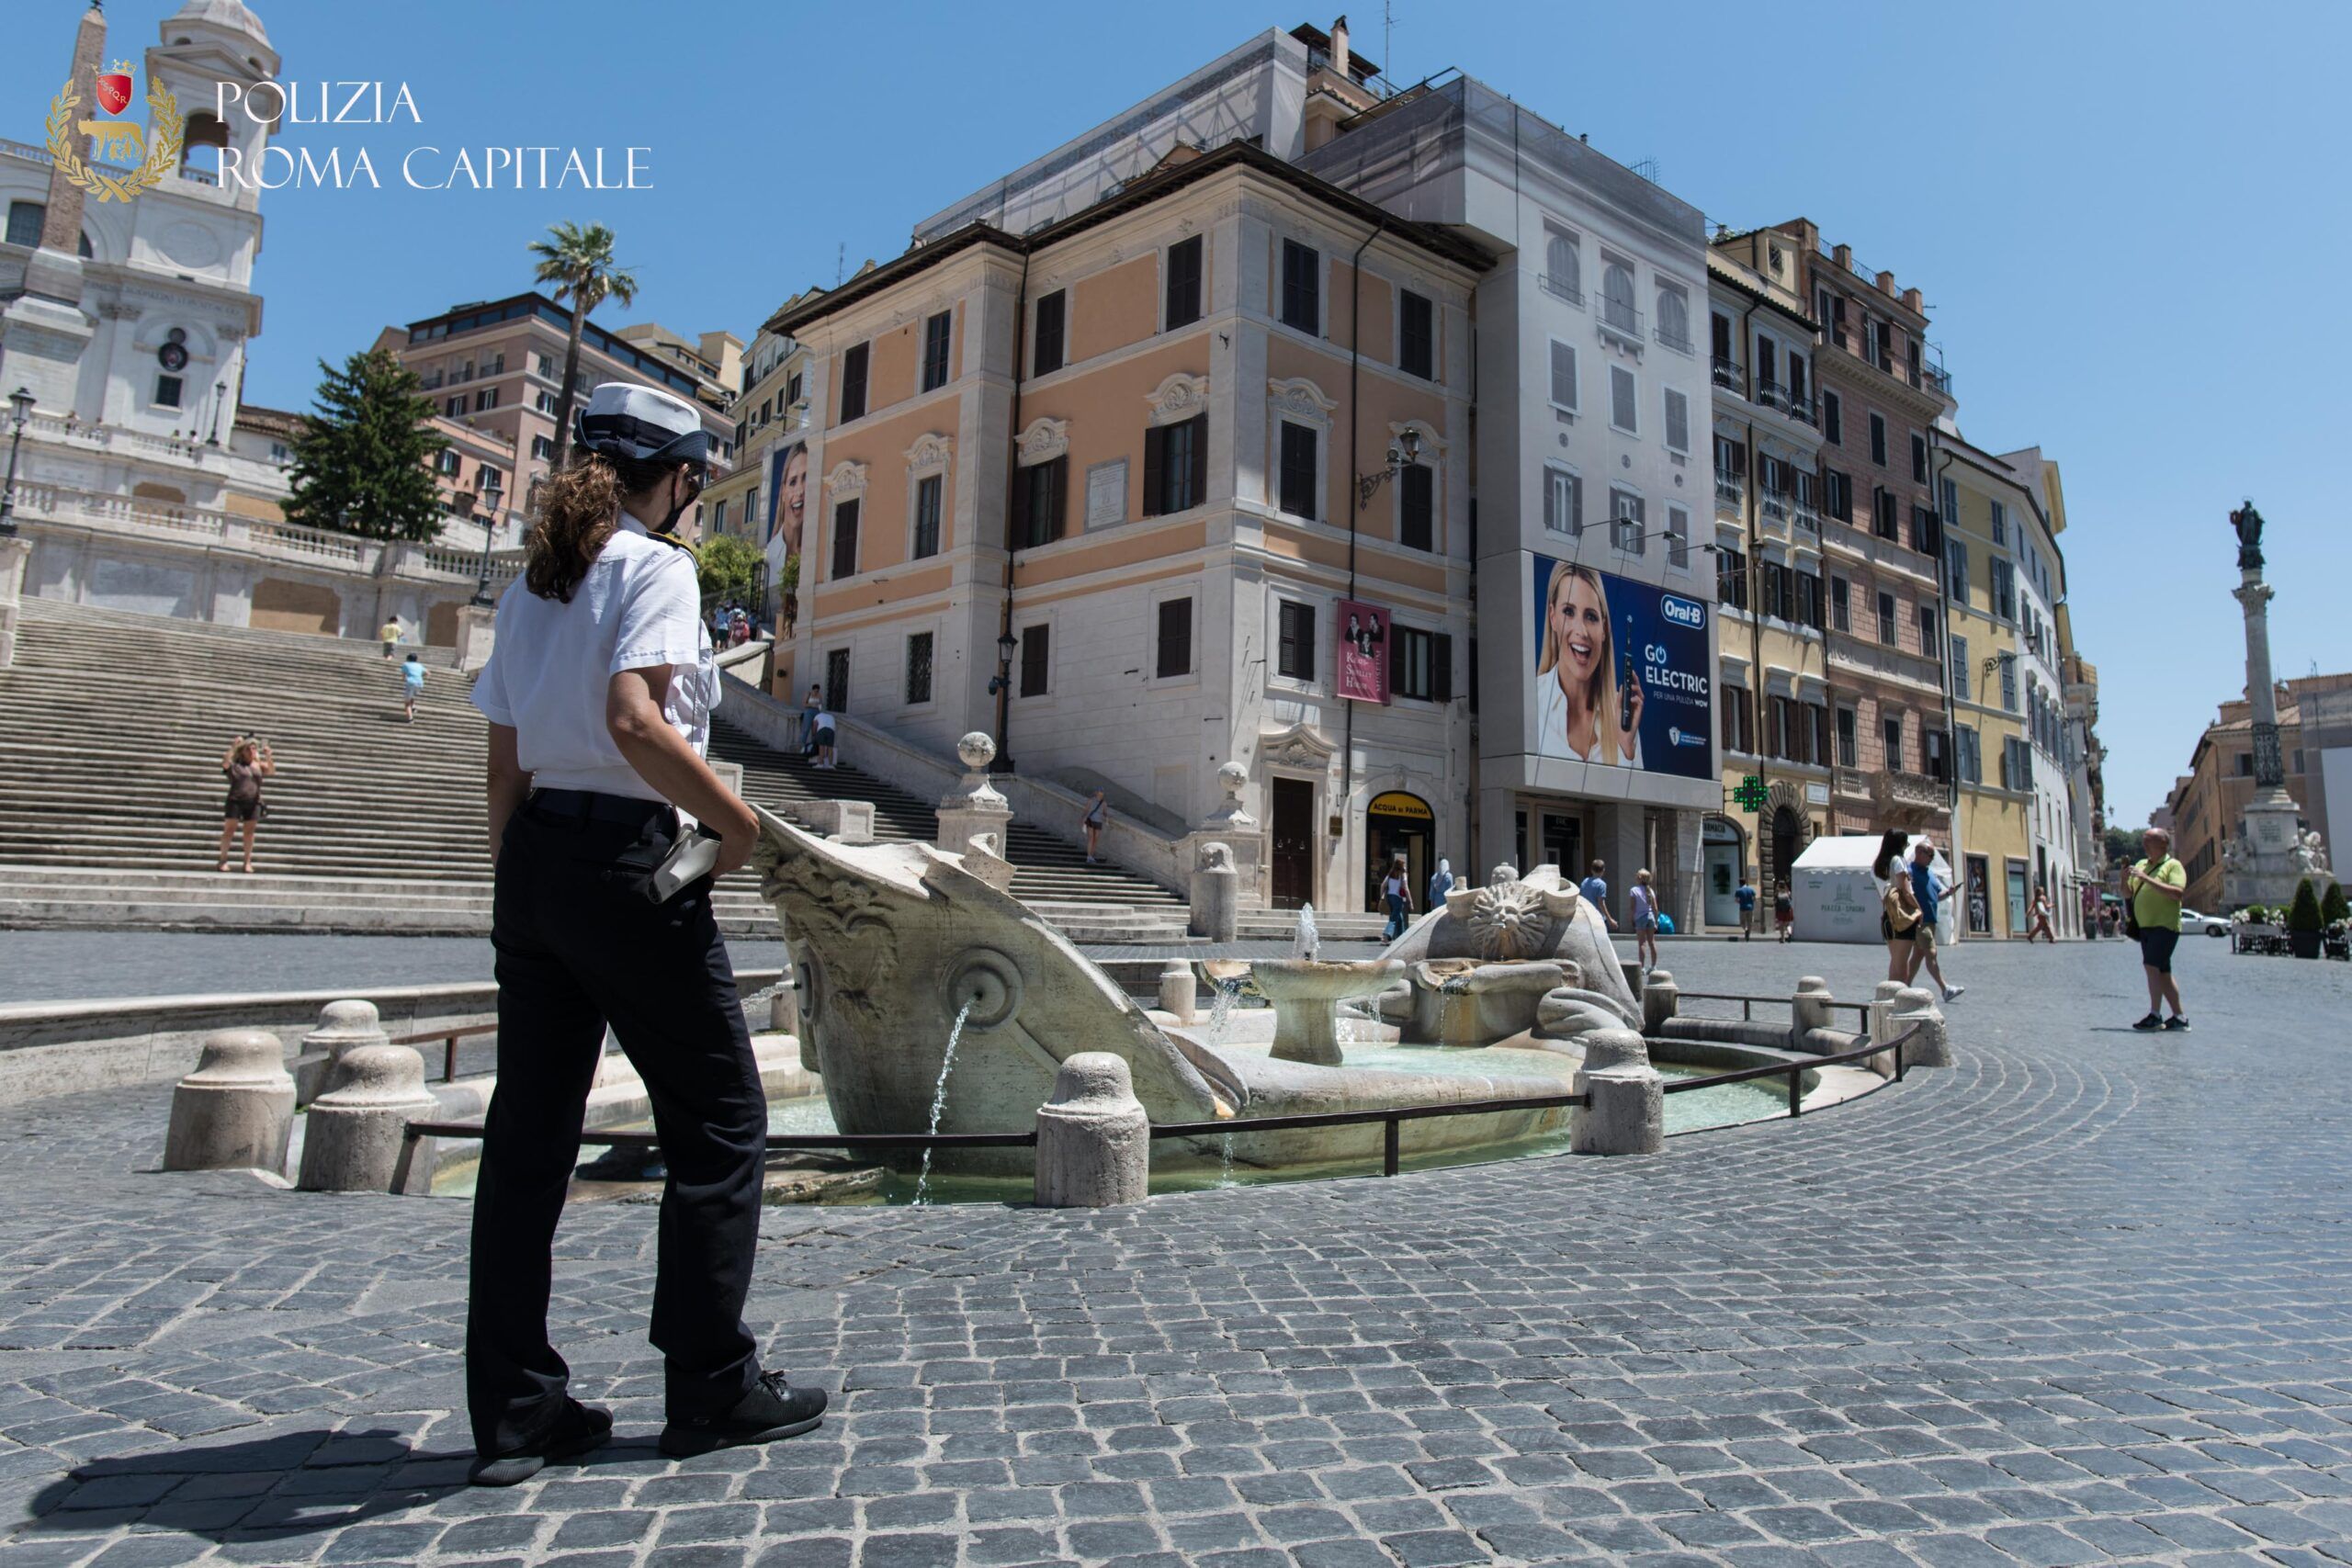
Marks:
<point>939,1102</point>
<point>1305,941</point>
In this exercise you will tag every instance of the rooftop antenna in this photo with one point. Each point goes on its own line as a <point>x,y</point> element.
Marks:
<point>1647,168</point>
<point>1387,40</point>
<point>841,261</point>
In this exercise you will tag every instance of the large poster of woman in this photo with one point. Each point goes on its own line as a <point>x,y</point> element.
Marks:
<point>787,519</point>
<point>1621,672</point>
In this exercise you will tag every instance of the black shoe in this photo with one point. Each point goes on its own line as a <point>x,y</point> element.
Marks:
<point>2149,1023</point>
<point>2176,1024</point>
<point>770,1412</point>
<point>579,1428</point>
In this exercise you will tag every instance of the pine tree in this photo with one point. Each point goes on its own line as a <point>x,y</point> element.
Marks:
<point>363,458</point>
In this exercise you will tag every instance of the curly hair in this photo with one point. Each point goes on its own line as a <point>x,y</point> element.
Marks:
<point>579,510</point>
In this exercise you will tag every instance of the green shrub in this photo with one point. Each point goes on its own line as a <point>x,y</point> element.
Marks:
<point>2256,915</point>
<point>2305,915</point>
<point>2334,906</point>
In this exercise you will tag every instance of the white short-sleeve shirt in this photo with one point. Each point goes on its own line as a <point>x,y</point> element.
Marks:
<point>638,605</point>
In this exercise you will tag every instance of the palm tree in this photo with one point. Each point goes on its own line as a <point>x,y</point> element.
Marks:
<point>579,262</point>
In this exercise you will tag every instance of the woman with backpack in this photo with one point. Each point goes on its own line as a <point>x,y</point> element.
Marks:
<point>1898,921</point>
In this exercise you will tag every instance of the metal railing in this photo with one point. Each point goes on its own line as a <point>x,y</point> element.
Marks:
<point>449,1038</point>
<point>787,1141</point>
<point>1729,489</point>
<point>1727,373</point>
<point>1677,341</point>
<point>1620,316</point>
<point>1560,289</point>
<point>1795,1071</point>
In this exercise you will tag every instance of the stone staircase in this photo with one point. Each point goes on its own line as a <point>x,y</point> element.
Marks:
<point>111,730</point>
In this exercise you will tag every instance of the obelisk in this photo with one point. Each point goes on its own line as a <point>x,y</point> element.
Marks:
<point>44,331</point>
<point>2265,869</point>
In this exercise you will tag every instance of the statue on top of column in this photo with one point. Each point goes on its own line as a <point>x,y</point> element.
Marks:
<point>2249,524</point>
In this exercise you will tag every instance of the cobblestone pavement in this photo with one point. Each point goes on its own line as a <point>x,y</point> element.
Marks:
<point>2085,1297</point>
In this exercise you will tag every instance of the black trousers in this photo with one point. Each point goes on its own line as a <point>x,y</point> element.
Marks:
<point>578,945</point>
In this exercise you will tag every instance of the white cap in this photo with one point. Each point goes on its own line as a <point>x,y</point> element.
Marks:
<point>625,420</point>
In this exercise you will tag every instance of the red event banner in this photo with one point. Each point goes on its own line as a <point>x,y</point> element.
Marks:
<point>1363,651</point>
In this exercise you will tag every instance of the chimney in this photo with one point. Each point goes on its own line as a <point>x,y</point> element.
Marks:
<point>1340,62</point>
<point>1886,284</point>
<point>1917,305</point>
<point>1844,256</point>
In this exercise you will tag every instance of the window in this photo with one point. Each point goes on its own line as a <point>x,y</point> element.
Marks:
<point>168,394</point>
<point>1892,730</point>
<point>1563,268</point>
<point>1731,578</point>
<point>1622,398</point>
<point>854,384</point>
<point>1302,287</point>
<point>1416,508</point>
<point>1956,570</point>
<point>1918,456</point>
<point>2001,524</point>
<point>1969,748</point>
<point>1617,294</point>
<point>1175,657</point>
<point>1878,439</point>
<point>2246,764</point>
<point>25,220</point>
<point>1767,357</point>
<point>1959,665</point>
<point>1421,664</point>
<point>2008,662</point>
<point>1678,537</point>
<point>1927,532</point>
<point>1183,306</point>
<point>918,669</point>
<point>487,477</point>
<point>1833,419</point>
<point>1678,421</point>
<point>935,333</point>
<point>845,539</point>
<point>545,401</point>
<point>543,447</point>
<point>1849,746</point>
<point>1036,658</point>
<point>1808,599</point>
<point>792,389</point>
<point>2005,590</point>
<point>1883,523</point>
<point>1882,344</point>
<point>543,364</point>
<point>1798,403</point>
<point>1297,486</point>
<point>1719,349</point>
<point>1295,652</point>
<point>1738,721</point>
<point>1841,609</point>
<point>485,400</point>
<point>446,461</point>
<point>1948,496</point>
<point>1886,619</point>
<point>1928,640</point>
<point>719,514</point>
<point>1175,466</point>
<point>1820,730</point>
<point>1416,335</point>
<point>1931,744</point>
<point>1037,502</point>
<point>453,408</point>
<point>1625,510</point>
<point>837,681</point>
<point>1838,495</point>
<point>1045,357</point>
<point>1563,502</point>
<point>1564,375</point>
<point>926,542</point>
<point>1776,592</point>
<point>1674,317</point>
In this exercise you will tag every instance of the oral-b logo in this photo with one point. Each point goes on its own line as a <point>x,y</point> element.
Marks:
<point>1682,612</point>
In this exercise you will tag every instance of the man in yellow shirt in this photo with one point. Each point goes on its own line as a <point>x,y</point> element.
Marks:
<point>391,636</point>
<point>2156,885</point>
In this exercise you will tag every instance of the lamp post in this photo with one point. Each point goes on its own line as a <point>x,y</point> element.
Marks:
<point>219,396</point>
<point>1000,688</point>
<point>21,409</point>
<point>1403,454</point>
<point>492,495</point>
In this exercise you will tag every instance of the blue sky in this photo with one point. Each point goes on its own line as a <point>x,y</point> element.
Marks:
<point>2127,220</point>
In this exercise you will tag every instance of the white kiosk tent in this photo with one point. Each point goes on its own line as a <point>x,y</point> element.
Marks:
<point>1836,897</point>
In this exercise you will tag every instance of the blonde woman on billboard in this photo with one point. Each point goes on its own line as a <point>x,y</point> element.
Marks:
<point>1586,714</point>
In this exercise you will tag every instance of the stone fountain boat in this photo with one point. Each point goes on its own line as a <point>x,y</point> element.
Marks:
<point>898,949</point>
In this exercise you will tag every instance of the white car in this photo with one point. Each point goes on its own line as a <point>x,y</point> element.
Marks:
<point>2211,925</point>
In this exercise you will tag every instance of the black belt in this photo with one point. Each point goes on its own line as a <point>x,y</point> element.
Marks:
<point>592,806</point>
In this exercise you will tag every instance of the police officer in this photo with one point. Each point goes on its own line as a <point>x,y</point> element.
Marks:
<point>598,692</point>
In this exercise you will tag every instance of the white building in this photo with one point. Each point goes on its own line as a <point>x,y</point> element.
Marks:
<point>2058,762</point>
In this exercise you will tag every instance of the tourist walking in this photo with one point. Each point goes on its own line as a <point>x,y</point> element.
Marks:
<point>825,728</point>
<point>810,707</point>
<point>1643,900</point>
<point>598,692</point>
<point>1097,817</point>
<point>1931,892</point>
<point>2040,924</point>
<point>247,763</point>
<point>1396,894</point>
<point>2156,884</point>
<point>1747,897</point>
<point>1595,887</point>
<point>391,636</point>
<point>1898,920</point>
<point>1784,912</point>
<point>1441,884</point>
<point>412,683</point>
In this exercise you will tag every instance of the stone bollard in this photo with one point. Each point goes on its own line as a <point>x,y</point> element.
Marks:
<point>1882,1012</point>
<point>236,1110</point>
<point>1660,999</point>
<point>354,1142</point>
<point>1931,1047</point>
<point>1632,969</point>
<point>1178,990</point>
<point>343,1026</point>
<point>1215,895</point>
<point>1808,1009</point>
<point>1093,1138</point>
<point>1624,1109</point>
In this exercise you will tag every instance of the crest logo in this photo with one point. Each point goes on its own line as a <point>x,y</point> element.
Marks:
<point>116,139</point>
<point>114,87</point>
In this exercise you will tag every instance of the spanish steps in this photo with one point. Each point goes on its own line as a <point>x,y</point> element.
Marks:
<point>112,729</point>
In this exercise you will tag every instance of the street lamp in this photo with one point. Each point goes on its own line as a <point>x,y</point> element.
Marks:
<point>1403,453</point>
<point>1000,688</point>
<point>21,409</point>
<point>492,495</point>
<point>219,396</point>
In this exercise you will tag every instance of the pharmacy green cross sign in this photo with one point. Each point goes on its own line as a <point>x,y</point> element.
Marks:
<point>1751,796</point>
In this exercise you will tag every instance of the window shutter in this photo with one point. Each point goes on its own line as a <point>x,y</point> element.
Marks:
<point>1021,530</point>
<point>1564,375</point>
<point>1057,497</point>
<point>1155,447</point>
<point>1441,668</point>
<point>1200,445</point>
<point>1396,657</point>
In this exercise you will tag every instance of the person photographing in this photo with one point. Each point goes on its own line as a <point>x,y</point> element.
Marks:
<point>606,830</point>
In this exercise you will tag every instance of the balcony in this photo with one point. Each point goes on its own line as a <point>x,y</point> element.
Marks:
<point>1730,490</point>
<point>1918,791</point>
<point>1560,289</point>
<point>1803,515</point>
<point>1786,399</point>
<point>1677,340</point>
<point>1774,505</point>
<point>1727,374</point>
<point>1939,380</point>
<point>1860,656</point>
<point>1623,318</point>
